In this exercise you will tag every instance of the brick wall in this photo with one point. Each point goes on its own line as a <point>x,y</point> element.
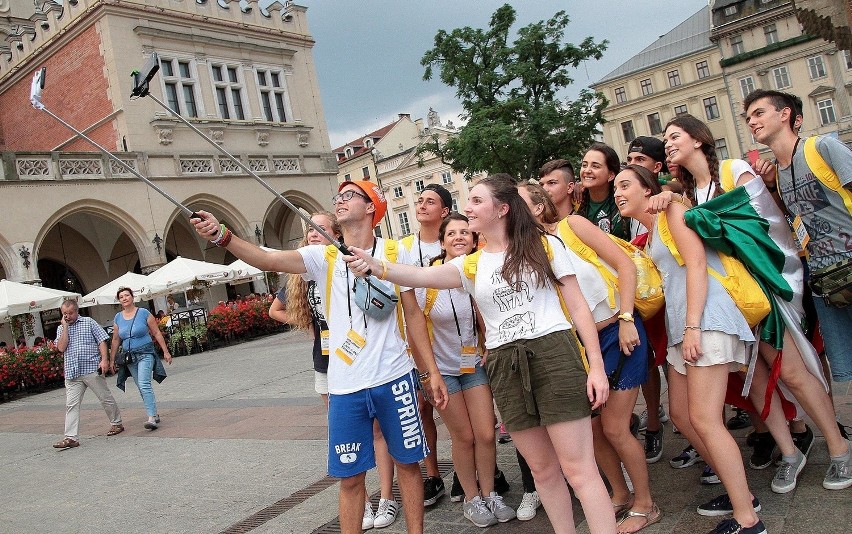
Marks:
<point>76,90</point>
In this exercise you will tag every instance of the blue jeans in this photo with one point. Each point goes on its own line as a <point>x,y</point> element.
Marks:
<point>835,325</point>
<point>142,370</point>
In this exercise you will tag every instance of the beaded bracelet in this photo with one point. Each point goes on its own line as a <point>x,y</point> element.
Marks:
<point>224,236</point>
<point>691,327</point>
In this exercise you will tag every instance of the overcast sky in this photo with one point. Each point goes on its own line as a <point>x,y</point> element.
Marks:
<point>368,52</point>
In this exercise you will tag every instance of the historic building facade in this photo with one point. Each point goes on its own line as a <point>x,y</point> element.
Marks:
<point>240,71</point>
<point>389,157</point>
<point>710,62</point>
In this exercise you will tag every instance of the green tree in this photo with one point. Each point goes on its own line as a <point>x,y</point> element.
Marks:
<point>516,120</point>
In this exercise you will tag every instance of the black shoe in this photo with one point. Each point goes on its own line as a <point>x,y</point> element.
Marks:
<point>739,421</point>
<point>804,440</point>
<point>731,526</point>
<point>653,446</point>
<point>764,449</point>
<point>456,490</point>
<point>721,505</point>
<point>433,489</point>
<point>501,486</point>
<point>750,438</point>
<point>634,425</point>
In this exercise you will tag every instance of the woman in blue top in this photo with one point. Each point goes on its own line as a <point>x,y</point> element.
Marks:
<point>136,329</point>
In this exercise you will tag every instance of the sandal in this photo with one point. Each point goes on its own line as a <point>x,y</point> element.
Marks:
<point>651,517</point>
<point>115,429</point>
<point>66,443</point>
<point>621,509</point>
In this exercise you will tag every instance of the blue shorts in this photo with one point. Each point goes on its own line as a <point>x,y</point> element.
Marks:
<point>635,370</point>
<point>350,427</point>
<point>465,381</point>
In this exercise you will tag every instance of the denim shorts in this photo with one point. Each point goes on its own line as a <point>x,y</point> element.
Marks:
<point>835,325</point>
<point>539,382</point>
<point>350,427</point>
<point>465,381</point>
<point>634,372</point>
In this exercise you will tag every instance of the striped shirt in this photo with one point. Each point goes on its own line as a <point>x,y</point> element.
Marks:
<point>82,355</point>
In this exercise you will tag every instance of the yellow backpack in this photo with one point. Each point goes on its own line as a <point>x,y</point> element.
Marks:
<point>391,252</point>
<point>737,281</point>
<point>470,262</point>
<point>823,171</point>
<point>649,298</point>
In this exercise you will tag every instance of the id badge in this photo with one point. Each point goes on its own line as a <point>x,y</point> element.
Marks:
<point>325,341</point>
<point>801,234</point>
<point>469,359</point>
<point>351,347</point>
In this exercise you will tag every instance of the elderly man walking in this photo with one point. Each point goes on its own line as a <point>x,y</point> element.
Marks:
<point>83,344</point>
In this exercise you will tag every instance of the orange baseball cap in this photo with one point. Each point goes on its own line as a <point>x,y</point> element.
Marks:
<point>377,197</point>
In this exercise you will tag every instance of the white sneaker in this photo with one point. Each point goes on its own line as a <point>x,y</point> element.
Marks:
<point>529,504</point>
<point>386,513</point>
<point>367,522</point>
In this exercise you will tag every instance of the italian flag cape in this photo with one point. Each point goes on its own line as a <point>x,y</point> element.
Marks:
<point>732,223</point>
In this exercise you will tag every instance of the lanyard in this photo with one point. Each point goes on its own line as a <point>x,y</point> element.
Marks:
<point>792,168</point>
<point>349,299</point>
<point>420,249</point>
<point>456,317</point>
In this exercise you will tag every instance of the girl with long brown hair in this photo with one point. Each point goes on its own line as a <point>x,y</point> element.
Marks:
<point>534,365</point>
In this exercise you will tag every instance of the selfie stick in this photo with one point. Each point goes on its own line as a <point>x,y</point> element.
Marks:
<point>35,99</point>
<point>141,89</point>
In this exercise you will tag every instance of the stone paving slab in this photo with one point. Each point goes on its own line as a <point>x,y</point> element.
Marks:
<point>243,429</point>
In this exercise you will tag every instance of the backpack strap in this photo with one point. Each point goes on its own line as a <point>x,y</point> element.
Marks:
<point>823,171</point>
<point>587,254</point>
<point>330,258</point>
<point>726,175</point>
<point>392,253</point>
<point>408,242</point>
<point>470,262</point>
<point>666,237</point>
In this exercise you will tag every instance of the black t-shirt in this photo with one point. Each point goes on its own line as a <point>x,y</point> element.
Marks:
<point>318,320</point>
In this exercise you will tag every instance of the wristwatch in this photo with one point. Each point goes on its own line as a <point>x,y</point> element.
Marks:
<point>626,316</point>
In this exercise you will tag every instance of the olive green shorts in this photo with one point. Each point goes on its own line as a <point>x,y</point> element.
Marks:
<point>538,382</point>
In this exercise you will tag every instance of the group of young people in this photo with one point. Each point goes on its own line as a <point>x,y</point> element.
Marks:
<point>512,302</point>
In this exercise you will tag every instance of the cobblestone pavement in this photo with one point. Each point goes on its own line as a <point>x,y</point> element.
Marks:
<point>242,448</point>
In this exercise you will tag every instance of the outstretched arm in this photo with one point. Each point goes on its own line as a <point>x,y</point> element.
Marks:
<point>443,276</point>
<point>284,261</point>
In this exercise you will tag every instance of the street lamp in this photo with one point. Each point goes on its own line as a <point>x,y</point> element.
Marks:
<point>376,155</point>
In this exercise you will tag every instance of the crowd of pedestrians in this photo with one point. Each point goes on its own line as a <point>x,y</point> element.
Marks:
<point>534,307</point>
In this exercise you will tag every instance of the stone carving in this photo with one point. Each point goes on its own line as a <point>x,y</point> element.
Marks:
<point>302,138</point>
<point>228,165</point>
<point>432,119</point>
<point>80,167</point>
<point>262,137</point>
<point>259,164</point>
<point>196,165</point>
<point>33,167</point>
<point>164,135</point>
<point>218,135</point>
<point>117,169</point>
<point>286,165</point>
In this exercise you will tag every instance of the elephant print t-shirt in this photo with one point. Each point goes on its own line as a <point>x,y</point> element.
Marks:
<point>510,312</point>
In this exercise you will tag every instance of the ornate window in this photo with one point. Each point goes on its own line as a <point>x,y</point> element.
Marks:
<point>273,95</point>
<point>228,87</point>
<point>179,84</point>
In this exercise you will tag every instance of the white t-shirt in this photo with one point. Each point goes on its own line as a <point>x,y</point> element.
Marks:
<point>594,287</point>
<point>509,315</point>
<point>446,341</point>
<point>384,357</point>
<point>422,253</point>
